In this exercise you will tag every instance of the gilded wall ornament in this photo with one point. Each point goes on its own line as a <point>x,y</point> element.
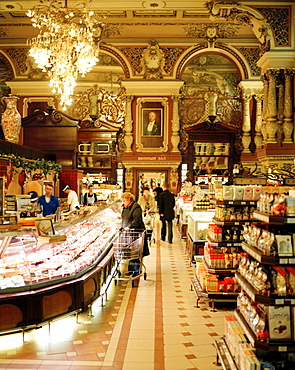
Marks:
<point>3,31</point>
<point>108,106</point>
<point>279,19</point>
<point>236,12</point>
<point>112,29</point>
<point>19,57</point>
<point>152,61</point>
<point>171,56</point>
<point>206,30</point>
<point>252,54</point>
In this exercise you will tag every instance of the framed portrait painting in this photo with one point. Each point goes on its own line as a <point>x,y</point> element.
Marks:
<point>152,121</point>
<point>152,125</point>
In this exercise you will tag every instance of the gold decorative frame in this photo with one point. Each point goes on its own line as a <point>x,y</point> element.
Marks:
<point>153,143</point>
<point>39,99</point>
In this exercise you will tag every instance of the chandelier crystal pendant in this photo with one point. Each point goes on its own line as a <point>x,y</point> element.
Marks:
<point>67,44</point>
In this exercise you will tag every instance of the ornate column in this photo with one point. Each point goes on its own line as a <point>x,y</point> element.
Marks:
<point>246,128</point>
<point>128,138</point>
<point>288,124</point>
<point>175,125</point>
<point>258,123</point>
<point>272,124</point>
<point>280,116</point>
<point>264,108</point>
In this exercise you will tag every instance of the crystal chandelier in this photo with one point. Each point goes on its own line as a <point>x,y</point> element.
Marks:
<point>67,44</point>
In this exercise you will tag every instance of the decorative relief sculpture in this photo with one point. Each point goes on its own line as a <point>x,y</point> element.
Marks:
<point>128,178</point>
<point>107,107</point>
<point>153,62</point>
<point>241,14</point>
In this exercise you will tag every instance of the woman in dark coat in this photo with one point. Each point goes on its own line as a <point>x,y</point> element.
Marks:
<point>132,220</point>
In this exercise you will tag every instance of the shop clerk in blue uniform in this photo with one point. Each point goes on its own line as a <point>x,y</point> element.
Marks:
<point>48,201</point>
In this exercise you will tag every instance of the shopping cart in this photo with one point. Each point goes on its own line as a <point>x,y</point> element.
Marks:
<point>149,221</point>
<point>128,246</point>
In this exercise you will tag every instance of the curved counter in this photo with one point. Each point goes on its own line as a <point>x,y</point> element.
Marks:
<point>41,280</point>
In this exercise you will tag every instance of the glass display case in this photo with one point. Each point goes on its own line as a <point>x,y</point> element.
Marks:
<point>198,223</point>
<point>29,260</point>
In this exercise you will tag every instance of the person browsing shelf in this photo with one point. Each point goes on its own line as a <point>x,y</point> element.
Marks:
<point>147,201</point>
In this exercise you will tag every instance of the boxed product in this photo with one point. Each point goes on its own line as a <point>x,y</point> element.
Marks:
<point>227,192</point>
<point>284,243</point>
<point>290,206</point>
<point>290,279</point>
<point>238,193</point>
<point>257,190</point>
<point>279,322</point>
<point>249,361</point>
<point>248,193</point>
<point>279,280</point>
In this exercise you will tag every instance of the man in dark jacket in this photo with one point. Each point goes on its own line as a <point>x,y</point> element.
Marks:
<point>166,211</point>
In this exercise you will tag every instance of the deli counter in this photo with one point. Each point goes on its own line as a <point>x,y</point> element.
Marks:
<point>42,278</point>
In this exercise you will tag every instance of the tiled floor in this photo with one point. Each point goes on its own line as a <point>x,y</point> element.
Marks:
<point>154,326</point>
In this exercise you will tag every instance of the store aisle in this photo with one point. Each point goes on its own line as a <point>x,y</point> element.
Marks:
<point>154,326</point>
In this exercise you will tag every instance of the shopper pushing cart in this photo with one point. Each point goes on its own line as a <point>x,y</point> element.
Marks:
<point>133,227</point>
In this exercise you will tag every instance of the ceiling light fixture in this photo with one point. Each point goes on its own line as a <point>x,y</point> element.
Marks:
<point>67,44</point>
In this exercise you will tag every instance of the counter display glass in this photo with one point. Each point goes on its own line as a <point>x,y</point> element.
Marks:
<point>198,223</point>
<point>28,261</point>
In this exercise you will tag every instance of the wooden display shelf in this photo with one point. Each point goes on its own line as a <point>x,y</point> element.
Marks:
<point>235,202</point>
<point>223,355</point>
<point>224,243</point>
<point>233,223</point>
<point>272,219</point>
<point>267,260</point>
<point>273,300</point>
<point>259,256</point>
<point>276,346</point>
<point>10,227</point>
<point>216,270</point>
<point>211,296</point>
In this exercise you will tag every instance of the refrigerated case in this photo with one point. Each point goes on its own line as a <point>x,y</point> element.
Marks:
<point>198,222</point>
<point>41,280</point>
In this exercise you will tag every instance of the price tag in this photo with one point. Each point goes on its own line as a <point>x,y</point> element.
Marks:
<point>242,203</point>
<point>230,202</point>
<point>225,293</point>
<point>228,244</point>
<point>283,261</point>
<point>252,203</point>
<point>292,260</point>
<point>292,302</point>
<point>279,301</point>
<point>282,348</point>
<point>237,223</point>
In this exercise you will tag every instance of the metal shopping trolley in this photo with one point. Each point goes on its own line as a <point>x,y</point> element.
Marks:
<point>149,221</point>
<point>128,246</point>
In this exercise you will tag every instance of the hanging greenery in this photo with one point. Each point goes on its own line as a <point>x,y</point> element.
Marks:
<point>30,165</point>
